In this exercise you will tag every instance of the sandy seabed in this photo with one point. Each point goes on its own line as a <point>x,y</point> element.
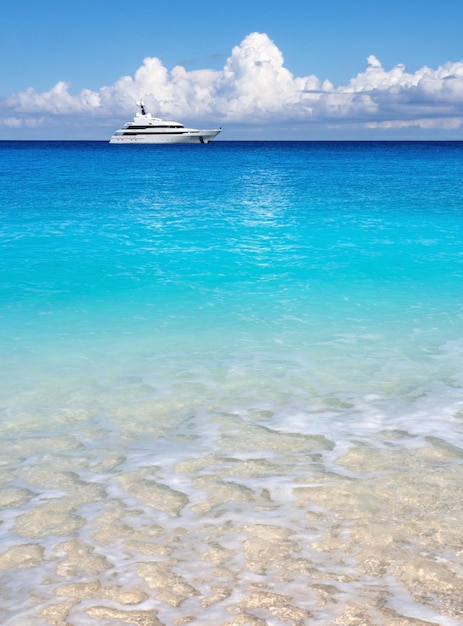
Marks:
<point>270,528</point>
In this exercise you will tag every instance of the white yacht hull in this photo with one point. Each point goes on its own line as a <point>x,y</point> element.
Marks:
<point>200,136</point>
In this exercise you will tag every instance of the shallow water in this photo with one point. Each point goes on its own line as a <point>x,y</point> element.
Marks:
<point>231,384</point>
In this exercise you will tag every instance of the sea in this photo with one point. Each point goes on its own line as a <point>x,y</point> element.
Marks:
<point>231,384</point>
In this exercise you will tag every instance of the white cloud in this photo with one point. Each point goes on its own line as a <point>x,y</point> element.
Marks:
<point>254,85</point>
<point>17,122</point>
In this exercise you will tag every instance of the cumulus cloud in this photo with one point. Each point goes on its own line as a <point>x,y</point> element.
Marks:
<point>254,84</point>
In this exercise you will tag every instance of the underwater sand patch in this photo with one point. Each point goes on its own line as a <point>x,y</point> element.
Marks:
<point>268,547</point>
<point>217,554</point>
<point>6,476</point>
<point>83,591</point>
<point>119,522</point>
<point>218,595</point>
<point>246,619</point>
<point>154,494</point>
<point>238,435</point>
<point>56,517</point>
<point>81,560</point>
<point>169,587</point>
<point>22,556</point>
<point>375,611</point>
<point>56,614</point>
<point>432,583</point>
<point>32,446</point>
<point>191,466</point>
<point>348,499</point>
<point>139,618</point>
<point>109,464</point>
<point>277,605</point>
<point>220,492</point>
<point>49,477</point>
<point>13,497</point>
<point>252,468</point>
<point>149,548</point>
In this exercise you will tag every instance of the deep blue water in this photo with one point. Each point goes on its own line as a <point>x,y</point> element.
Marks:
<point>154,298</point>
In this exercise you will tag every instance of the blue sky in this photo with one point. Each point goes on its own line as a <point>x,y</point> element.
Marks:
<point>259,68</point>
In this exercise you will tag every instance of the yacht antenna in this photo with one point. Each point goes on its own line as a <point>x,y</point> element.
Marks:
<point>141,104</point>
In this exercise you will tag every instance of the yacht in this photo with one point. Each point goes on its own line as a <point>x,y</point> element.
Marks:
<point>148,129</point>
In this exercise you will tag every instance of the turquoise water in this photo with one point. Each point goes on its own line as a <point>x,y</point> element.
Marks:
<point>231,383</point>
